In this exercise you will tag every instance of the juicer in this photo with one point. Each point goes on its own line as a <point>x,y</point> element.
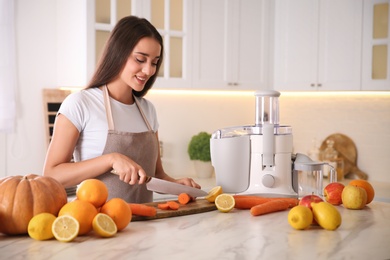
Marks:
<point>257,159</point>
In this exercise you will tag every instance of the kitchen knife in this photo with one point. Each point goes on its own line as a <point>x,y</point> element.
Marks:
<point>168,187</point>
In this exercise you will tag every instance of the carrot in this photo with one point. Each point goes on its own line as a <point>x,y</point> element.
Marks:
<point>142,210</point>
<point>163,206</point>
<point>184,198</point>
<point>173,205</point>
<point>269,207</point>
<point>248,201</point>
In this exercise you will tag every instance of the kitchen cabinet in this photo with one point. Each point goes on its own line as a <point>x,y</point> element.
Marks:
<point>172,18</point>
<point>230,49</point>
<point>376,45</point>
<point>219,44</point>
<point>317,45</point>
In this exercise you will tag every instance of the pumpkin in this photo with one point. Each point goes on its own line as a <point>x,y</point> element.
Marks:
<point>22,197</point>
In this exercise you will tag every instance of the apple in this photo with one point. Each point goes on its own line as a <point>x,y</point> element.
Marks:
<point>332,193</point>
<point>354,197</point>
<point>308,199</point>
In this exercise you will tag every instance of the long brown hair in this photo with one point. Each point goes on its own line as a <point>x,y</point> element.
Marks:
<point>123,38</point>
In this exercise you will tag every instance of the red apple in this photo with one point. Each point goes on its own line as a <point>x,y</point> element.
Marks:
<point>308,199</point>
<point>332,193</point>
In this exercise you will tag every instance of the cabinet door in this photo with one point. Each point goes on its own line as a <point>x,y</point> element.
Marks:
<point>340,45</point>
<point>209,44</point>
<point>376,45</point>
<point>229,44</point>
<point>246,43</point>
<point>317,45</point>
<point>296,44</point>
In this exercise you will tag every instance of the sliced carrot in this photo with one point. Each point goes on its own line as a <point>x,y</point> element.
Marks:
<point>184,198</point>
<point>142,210</point>
<point>269,207</point>
<point>247,201</point>
<point>163,206</point>
<point>173,205</point>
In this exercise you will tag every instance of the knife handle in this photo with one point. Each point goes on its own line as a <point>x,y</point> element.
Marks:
<point>148,178</point>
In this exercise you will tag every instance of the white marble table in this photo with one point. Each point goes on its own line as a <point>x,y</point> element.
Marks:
<point>364,234</point>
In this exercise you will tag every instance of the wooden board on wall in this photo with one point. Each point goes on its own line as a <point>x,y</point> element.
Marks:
<point>52,99</point>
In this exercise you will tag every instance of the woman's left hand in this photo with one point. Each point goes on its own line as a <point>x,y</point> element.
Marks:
<point>188,181</point>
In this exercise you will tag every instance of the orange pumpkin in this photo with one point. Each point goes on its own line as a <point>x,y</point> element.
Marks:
<point>22,197</point>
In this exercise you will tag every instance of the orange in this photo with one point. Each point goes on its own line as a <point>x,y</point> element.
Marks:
<point>119,211</point>
<point>82,211</point>
<point>365,185</point>
<point>92,190</point>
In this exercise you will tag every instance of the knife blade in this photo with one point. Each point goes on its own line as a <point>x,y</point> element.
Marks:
<point>168,187</point>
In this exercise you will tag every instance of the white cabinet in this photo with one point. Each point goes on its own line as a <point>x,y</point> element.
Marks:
<point>317,45</point>
<point>376,45</point>
<point>230,44</point>
<point>172,18</point>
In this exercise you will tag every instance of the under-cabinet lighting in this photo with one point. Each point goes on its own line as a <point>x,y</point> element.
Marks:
<point>283,93</point>
<point>335,93</point>
<point>251,93</point>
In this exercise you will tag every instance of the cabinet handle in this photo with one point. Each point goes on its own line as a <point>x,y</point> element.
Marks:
<point>312,85</point>
<point>320,85</point>
<point>233,84</point>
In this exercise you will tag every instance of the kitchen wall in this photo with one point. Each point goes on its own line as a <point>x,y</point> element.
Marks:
<point>365,118</point>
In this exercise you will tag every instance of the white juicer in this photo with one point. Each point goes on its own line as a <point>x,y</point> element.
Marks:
<point>256,159</point>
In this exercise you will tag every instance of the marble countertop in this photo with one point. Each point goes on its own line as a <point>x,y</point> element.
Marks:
<point>363,234</point>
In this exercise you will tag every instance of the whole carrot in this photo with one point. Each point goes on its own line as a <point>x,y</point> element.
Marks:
<point>142,210</point>
<point>248,201</point>
<point>269,207</point>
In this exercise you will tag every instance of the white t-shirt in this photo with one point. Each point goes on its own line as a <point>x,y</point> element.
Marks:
<point>85,109</point>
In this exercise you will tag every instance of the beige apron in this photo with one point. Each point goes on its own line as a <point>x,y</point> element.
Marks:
<point>142,148</point>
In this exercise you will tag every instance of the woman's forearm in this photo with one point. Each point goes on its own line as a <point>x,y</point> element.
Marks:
<point>72,173</point>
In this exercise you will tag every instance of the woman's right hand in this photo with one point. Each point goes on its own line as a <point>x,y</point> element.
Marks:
<point>127,170</point>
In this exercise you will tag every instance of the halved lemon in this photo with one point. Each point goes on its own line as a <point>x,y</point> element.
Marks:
<point>225,202</point>
<point>65,228</point>
<point>213,193</point>
<point>104,225</point>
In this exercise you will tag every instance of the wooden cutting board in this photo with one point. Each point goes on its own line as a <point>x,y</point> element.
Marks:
<point>347,150</point>
<point>194,207</point>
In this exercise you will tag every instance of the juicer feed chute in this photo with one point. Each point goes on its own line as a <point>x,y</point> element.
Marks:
<point>255,159</point>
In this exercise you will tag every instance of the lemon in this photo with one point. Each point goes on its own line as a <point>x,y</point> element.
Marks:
<point>224,202</point>
<point>104,225</point>
<point>213,193</point>
<point>326,215</point>
<point>300,217</point>
<point>39,227</point>
<point>65,228</point>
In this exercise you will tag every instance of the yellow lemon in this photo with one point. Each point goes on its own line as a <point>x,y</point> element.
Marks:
<point>300,217</point>
<point>39,227</point>
<point>224,202</point>
<point>213,193</point>
<point>104,225</point>
<point>65,228</point>
<point>326,215</point>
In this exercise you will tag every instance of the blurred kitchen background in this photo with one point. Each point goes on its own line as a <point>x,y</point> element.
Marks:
<point>323,56</point>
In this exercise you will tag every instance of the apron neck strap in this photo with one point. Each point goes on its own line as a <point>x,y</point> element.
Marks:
<point>107,105</point>
<point>142,113</point>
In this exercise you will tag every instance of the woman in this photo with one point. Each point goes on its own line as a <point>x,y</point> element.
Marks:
<point>109,128</point>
